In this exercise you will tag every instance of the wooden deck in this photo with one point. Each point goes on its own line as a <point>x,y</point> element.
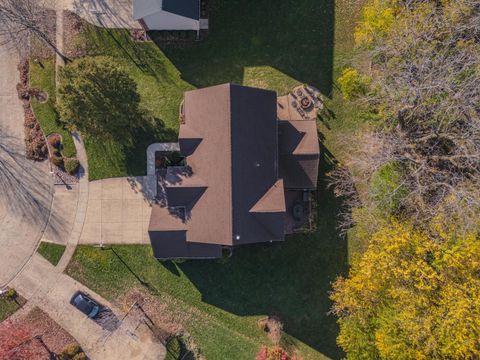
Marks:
<point>289,106</point>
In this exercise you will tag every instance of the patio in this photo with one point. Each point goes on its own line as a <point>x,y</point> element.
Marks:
<point>302,103</point>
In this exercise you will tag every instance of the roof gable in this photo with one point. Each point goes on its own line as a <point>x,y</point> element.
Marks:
<point>272,201</point>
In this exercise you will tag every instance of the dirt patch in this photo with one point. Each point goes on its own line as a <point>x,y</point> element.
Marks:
<point>34,336</point>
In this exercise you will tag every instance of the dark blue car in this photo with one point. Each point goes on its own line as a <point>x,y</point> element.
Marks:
<point>85,304</point>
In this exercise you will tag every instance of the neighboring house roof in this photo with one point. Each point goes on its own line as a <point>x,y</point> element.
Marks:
<point>233,192</point>
<point>186,8</point>
<point>299,153</point>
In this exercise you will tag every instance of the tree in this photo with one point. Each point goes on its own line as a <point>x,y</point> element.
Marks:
<point>412,296</point>
<point>17,342</point>
<point>423,104</point>
<point>97,97</point>
<point>20,19</point>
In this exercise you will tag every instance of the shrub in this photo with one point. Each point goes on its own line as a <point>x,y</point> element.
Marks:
<point>71,352</point>
<point>36,147</point>
<point>23,92</point>
<point>352,83</point>
<point>174,348</point>
<point>71,166</point>
<point>11,294</point>
<point>388,188</point>
<point>80,356</point>
<point>377,17</point>
<point>275,353</point>
<point>54,141</point>
<point>57,160</point>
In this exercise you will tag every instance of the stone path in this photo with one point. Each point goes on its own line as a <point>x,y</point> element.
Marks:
<point>26,187</point>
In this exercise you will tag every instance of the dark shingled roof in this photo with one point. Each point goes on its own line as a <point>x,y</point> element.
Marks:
<point>173,244</point>
<point>299,153</point>
<point>186,8</point>
<point>241,160</point>
<point>232,195</point>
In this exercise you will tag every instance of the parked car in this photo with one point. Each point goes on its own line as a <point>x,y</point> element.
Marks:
<point>85,304</point>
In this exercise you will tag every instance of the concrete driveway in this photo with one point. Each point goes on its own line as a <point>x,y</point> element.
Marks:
<point>43,286</point>
<point>118,212</point>
<point>25,186</point>
<point>105,13</point>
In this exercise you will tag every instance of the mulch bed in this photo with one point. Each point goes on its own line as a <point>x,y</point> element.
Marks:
<point>35,143</point>
<point>61,177</point>
<point>30,336</point>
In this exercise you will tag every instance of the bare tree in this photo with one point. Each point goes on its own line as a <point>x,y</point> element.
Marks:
<point>20,19</point>
<point>426,83</point>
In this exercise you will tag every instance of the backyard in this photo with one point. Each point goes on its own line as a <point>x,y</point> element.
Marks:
<point>222,301</point>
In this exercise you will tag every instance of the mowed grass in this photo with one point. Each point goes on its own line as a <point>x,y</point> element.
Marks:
<point>42,76</point>
<point>52,252</point>
<point>161,89</point>
<point>222,301</point>
<point>9,306</point>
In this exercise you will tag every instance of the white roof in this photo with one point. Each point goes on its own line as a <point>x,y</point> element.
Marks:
<point>142,8</point>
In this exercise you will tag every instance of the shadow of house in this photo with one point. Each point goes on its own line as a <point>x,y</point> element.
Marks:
<point>294,37</point>
<point>290,280</point>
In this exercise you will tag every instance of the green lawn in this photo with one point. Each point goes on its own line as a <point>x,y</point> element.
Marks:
<point>161,90</point>
<point>42,76</point>
<point>8,307</point>
<point>52,252</point>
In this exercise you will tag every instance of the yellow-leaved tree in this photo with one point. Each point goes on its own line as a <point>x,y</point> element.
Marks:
<point>412,296</point>
<point>377,17</point>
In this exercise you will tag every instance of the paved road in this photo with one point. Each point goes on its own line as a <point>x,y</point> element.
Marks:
<point>25,186</point>
<point>44,286</point>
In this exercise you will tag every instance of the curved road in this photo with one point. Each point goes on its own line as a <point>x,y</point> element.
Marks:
<point>25,186</point>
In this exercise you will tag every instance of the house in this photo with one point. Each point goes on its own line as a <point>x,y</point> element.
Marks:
<point>245,171</point>
<point>169,14</point>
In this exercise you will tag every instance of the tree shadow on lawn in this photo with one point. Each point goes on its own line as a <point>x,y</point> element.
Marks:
<point>294,37</point>
<point>117,156</point>
<point>150,132</point>
<point>290,279</point>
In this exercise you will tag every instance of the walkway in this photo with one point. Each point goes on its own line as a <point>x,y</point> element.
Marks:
<point>26,187</point>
